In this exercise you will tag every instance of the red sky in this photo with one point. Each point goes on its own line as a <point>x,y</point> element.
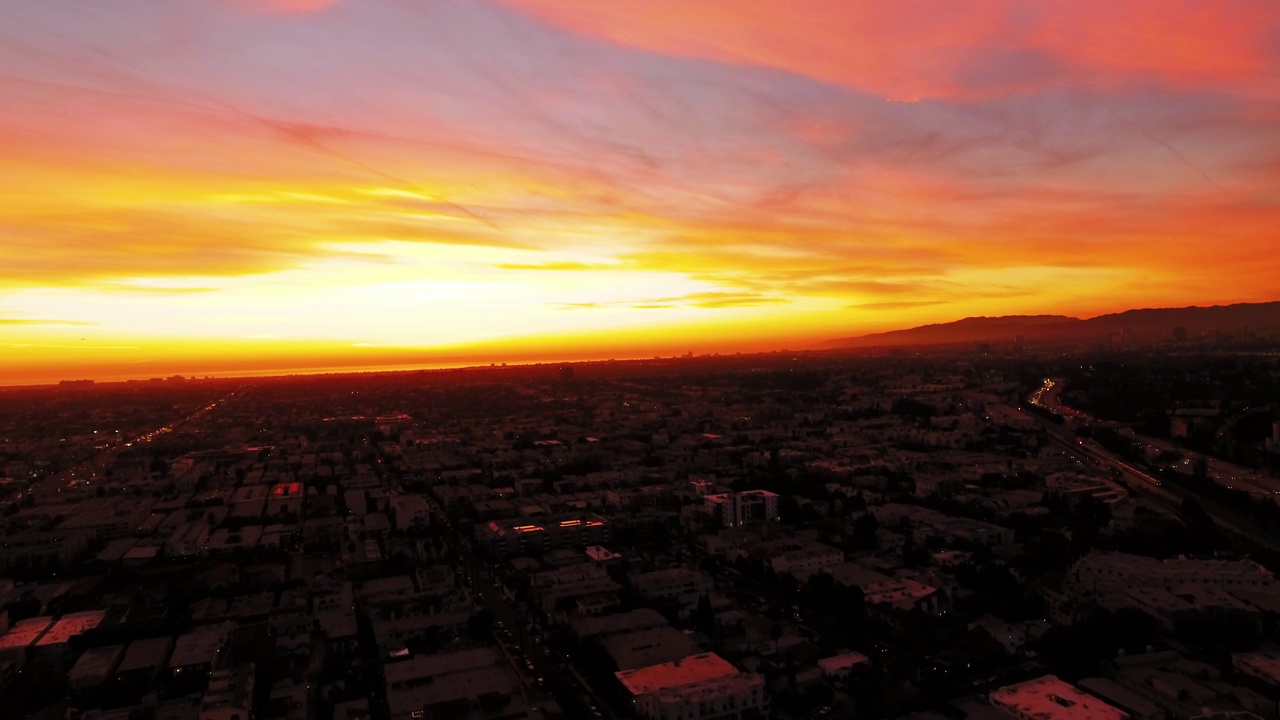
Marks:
<point>243,184</point>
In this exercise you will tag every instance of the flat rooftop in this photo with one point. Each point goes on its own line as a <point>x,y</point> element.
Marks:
<point>844,661</point>
<point>471,683</point>
<point>95,665</point>
<point>638,619</point>
<point>198,647</point>
<point>645,648</point>
<point>1048,698</point>
<point>431,666</point>
<point>1264,665</point>
<point>69,626</point>
<point>145,654</point>
<point>25,632</point>
<point>686,671</point>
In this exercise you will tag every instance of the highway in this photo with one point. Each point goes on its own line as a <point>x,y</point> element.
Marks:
<point>1166,495</point>
<point>1224,473</point>
<point>86,471</point>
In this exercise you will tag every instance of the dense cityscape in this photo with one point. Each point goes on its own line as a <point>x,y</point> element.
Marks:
<point>663,360</point>
<point>994,532</point>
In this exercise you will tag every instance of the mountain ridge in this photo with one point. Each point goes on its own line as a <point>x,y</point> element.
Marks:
<point>1136,323</point>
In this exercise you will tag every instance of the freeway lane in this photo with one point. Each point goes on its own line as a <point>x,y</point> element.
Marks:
<point>1168,496</point>
<point>1224,473</point>
<point>86,471</point>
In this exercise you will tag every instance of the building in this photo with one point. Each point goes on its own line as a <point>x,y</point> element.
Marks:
<point>16,644</point>
<point>199,650</point>
<point>248,501</point>
<point>925,524</point>
<point>522,535</point>
<point>188,540</point>
<point>619,623</point>
<point>1263,665</point>
<point>799,556</point>
<point>338,628</point>
<point>285,499</point>
<point>1012,636</point>
<point>94,667</point>
<point>884,592</point>
<point>739,508</point>
<point>601,554</point>
<point>559,588</point>
<point>142,660</point>
<point>1048,698</point>
<point>682,585</point>
<point>43,550</point>
<point>840,667</point>
<point>1138,707</point>
<point>1108,572</point>
<point>230,695</point>
<point>108,518</point>
<point>409,511</point>
<point>698,687</point>
<point>57,639</point>
<point>1187,688</point>
<point>465,684</point>
<point>643,648</point>
<point>363,559</point>
<point>1170,609</point>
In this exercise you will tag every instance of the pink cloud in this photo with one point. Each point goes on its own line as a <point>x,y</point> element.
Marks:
<point>922,48</point>
<point>285,6</point>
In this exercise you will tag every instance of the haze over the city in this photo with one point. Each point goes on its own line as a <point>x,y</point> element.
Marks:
<point>242,185</point>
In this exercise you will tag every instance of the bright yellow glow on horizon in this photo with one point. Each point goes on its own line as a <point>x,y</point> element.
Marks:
<point>227,187</point>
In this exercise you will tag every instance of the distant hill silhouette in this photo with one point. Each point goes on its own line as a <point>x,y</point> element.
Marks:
<point>1140,325</point>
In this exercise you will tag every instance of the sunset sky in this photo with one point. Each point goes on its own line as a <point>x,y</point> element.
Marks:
<point>238,186</point>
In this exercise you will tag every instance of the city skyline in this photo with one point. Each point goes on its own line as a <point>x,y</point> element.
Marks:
<point>244,186</point>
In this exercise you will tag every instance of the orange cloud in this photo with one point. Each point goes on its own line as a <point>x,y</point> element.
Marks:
<point>200,188</point>
<point>909,50</point>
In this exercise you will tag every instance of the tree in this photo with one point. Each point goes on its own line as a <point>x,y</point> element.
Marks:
<point>703,616</point>
<point>789,510</point>
<point>481,624</point>
<point>914,555</point>
<point>864,529</point>
<point>1200,467</point>
<point>909,407</point>
<point>819,589</point>
<point>857,503</point>
<point>1090,515</point>
<point>1195,513</point>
